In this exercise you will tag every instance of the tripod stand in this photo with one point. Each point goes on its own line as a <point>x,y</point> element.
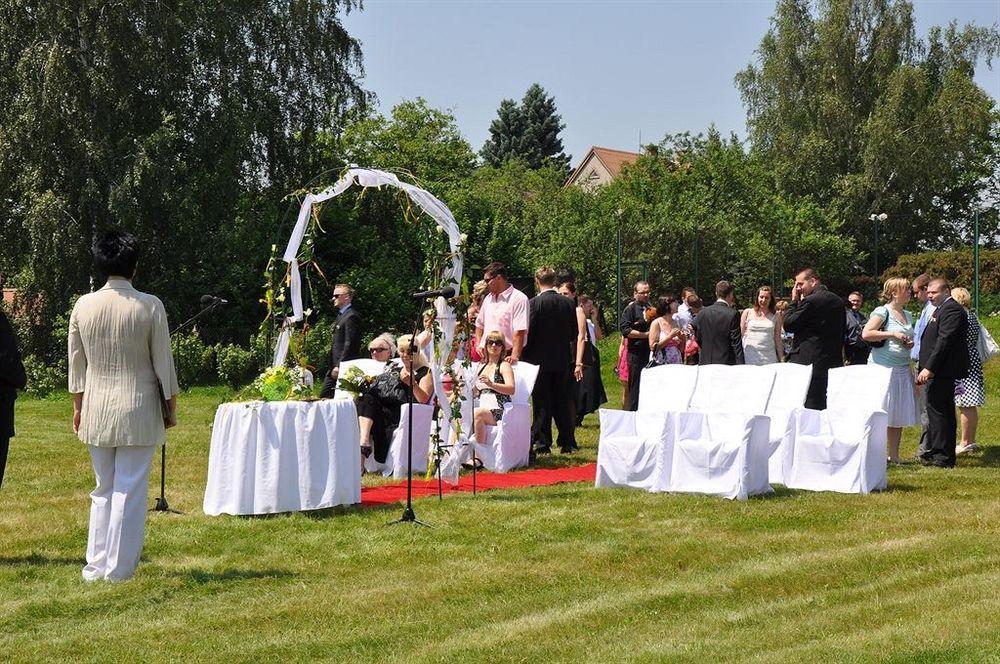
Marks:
<point>161,505</point>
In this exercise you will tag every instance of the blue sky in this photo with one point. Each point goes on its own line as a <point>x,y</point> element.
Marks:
<point>615,68</point>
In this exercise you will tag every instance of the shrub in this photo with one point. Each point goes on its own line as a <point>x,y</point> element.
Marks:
<point>236,366</point>
<point>194,360</point>
<point>955,266</point>
<point>44,380</point>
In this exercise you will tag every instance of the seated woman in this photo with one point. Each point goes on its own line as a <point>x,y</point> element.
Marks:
<point>383,347</point>
<point>379,409</point>
<point>494,386</point>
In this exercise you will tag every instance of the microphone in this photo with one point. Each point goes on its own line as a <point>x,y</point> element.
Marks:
<point>211,299</point>
<point>447,293</point>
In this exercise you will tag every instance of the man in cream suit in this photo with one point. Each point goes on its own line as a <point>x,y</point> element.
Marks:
<point>121,375</point>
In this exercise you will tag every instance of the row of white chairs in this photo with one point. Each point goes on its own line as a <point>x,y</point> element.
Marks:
<point>507,445</point>
<point>732,431</point>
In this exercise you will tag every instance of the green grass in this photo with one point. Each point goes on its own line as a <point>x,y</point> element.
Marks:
<point>563,573</point>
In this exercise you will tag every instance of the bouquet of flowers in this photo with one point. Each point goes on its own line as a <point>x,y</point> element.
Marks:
<point>355,382</point>
<point>282,383</point>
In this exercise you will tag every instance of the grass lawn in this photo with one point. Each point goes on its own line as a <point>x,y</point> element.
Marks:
<point>562,573</point>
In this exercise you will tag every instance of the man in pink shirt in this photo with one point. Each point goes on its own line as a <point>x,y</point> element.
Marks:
<point>504,309</point>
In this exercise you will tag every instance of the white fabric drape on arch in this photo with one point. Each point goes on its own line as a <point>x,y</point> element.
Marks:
<point>426,201</point>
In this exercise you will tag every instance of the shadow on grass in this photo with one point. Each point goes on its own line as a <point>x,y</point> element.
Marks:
<point>37,559</point>
<point>205,576</point>
<point>989,458</point>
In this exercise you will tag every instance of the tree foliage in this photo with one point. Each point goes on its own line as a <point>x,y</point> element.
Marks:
<point>528,132</point>
<point>848,106</point>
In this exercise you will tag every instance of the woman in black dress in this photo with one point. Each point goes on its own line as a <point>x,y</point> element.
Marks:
<point>589,386</point>
<point>494,386</point>
<point>379,409</point>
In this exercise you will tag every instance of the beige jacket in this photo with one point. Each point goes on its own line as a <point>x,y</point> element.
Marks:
<point>119,355</point>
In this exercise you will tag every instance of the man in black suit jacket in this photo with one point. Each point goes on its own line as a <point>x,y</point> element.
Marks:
<point>816,319</point>
<point>717,329</point>
<point>552,330</point>
<point>635,329</point>
<point>944,357</point>
<point>12,379</point>
<point>346,337</point>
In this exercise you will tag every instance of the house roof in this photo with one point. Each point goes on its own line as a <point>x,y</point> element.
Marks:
<point>613,160</point>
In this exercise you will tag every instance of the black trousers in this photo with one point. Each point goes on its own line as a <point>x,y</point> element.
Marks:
<point>4,446</point>
<point>552,399</point>
<point>816,396</point>
<point>941,421</point>
<point>328,388</point>
<point>635,366</point>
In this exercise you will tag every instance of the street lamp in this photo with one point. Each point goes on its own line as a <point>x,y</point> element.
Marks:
<point>875,218</point>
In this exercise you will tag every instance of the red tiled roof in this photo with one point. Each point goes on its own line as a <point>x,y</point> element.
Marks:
<point>613,160</point>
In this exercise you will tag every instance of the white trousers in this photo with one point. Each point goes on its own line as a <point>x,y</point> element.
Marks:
<point>117,511</point>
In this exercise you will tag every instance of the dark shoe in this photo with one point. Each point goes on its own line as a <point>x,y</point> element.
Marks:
<point>543,450</point>
<point>366,451</point>
<point>935,464</point>
<point>568,450</point>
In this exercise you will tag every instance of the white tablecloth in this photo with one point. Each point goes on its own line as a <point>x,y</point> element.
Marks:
<point>283,456</point>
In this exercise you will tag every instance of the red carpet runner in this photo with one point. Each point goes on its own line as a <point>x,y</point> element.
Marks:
<point>386,494</point>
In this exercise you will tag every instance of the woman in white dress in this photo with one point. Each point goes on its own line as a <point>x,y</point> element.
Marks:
<point>891,325</point>
<point>761,329</point>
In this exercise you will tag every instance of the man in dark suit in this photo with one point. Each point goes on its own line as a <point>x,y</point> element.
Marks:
<point>635,329</point>
<point>552,330</point>
<point>346,337</point>
<point>944,357</point>
<point>12,379</point>
<point>816,319</point>
<point>717,329</point>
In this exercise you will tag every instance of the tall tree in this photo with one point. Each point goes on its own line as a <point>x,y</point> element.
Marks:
<point>849,107</point>
<point>185,121</point>
<point>528,132</point>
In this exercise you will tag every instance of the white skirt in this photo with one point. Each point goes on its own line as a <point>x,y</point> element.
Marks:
<point>902,408</point>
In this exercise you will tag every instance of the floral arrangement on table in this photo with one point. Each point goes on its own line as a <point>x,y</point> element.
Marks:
<point>355,382</point>
<point>282,384</point>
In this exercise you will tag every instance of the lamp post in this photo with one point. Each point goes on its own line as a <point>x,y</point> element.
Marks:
<point>875,218</point>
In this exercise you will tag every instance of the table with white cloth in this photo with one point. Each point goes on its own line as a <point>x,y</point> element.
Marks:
<point>283,456</point>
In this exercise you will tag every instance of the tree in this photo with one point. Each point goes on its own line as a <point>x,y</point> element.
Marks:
<point>849,107</point>
<point>529,132</point>
<point>185,122</point>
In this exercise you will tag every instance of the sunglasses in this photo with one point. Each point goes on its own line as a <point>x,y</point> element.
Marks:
<point>339,294</point>
<point>378,350</point>
<point>494,342</point>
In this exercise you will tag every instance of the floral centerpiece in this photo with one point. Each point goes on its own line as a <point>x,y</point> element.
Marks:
<point>356,382</point>
<point>281,384</point>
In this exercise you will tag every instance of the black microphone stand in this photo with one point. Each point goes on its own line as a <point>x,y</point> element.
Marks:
<point>408,515</point>
<point>161,502</point>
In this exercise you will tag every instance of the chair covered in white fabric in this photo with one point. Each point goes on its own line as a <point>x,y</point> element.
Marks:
<point>369,366</point>
<point>508,444</point>
<point>630,444</point>
<point>843,447</point>
<point>742,388</point>
<point>721,453</point>
<point>395,460</point>
<point>791,385</point>
<point>630,449</point>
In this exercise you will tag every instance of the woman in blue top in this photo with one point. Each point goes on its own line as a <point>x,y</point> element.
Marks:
<point>892,324</point>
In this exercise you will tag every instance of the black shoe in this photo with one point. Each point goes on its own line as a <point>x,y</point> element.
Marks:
<point>568,450</point>
<point>543,450</point>
<point>935,464</point>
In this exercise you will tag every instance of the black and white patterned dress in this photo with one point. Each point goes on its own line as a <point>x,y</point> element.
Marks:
<point>970,392</point>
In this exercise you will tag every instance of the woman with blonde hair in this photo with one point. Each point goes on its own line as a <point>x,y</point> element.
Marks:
<point>761,330</point>
<point>379,409</point>
<point>889,331</point>
<point>970,392</point>
<point>494,386</point>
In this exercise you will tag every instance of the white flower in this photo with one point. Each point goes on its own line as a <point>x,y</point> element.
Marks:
<point>464,237</point>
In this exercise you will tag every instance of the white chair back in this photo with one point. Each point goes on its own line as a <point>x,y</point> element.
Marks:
<point>864,387</point>
<point>369,366</point>
<point>524,381</point>
<point>791,384</point>
<point>667,387</point>
<point>742,388</point>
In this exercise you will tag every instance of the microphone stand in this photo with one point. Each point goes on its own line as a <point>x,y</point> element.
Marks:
<point>161,504</point>
<point>408,515</point>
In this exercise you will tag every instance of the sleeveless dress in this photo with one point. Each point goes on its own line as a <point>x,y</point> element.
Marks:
<point>501,398</point>
<point>758,342</point>
<point>672,353</point>
<point>590,393</point>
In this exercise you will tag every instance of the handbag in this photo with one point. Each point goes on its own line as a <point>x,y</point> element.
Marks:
<point>986,345</point>
<point>881,328</point>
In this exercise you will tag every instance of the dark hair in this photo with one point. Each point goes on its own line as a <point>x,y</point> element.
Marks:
<point>496,269</point>
<point>723,289</point>
<point>770,303</point>
<point>116,253</point>
<point>809,273</point>
<point>564,275</point>
<point>570,285</point>
<point>545,276</point>
<point>663,304</point>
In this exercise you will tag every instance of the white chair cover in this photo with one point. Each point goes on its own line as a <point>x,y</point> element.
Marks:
<point>742,388</point>
<point>369,366</point>
<point>395,461</point>
<point>863,387</point>
<point>629,453</point>
<point>722,454</point>
<point>791,385</point>
<point>667,387</point>
<point>839,449</point>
